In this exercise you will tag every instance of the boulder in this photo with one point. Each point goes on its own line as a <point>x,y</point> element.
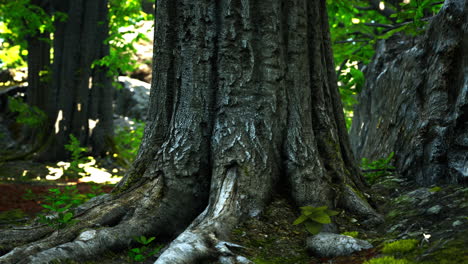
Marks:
<point>415,101</point>
<point>132,99</point>
<point>331,245</point>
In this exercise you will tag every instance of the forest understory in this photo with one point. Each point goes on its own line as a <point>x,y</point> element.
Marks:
<point>410,213</point>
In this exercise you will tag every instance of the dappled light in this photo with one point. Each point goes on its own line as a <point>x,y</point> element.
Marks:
<point>57,122</point>
<point>91,172</point>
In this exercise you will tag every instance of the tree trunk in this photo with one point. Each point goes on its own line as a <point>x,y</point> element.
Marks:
<point>38,76</point>
<point>415,102</point>
<point>80,95</point>
<point>244,104</point>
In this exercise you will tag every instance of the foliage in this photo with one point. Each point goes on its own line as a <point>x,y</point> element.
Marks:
<point>377,168</point>
<point>313,218</point>
<point>400,246</point>
<point>124,16</point>
<point>58,202</point>
<point>22,20</point>
<point>77,157</point>
<point>387,260</point>
<point>435,189</point>
<point>140,254</point>
<point>127,140</point>
<point>411,16</point>
<point>351,234</point>
<point>27,115</point>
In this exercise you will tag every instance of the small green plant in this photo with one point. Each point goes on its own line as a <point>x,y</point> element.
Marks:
<point>400,246</point>
<point>376,169</point>
<point>57,203</point>
<point>387,260</point>
<point>351,234</point>
<point>313,218</point>
<point>128,139</point>
<point>77,157</point>
<point>27,115</point>
<point>140,254</point>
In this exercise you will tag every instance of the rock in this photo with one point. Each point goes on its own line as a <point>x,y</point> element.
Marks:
<point>415,99</point>
<point>333,245</point>
<point>434,210</point>
<point>132,100</point>
<point>144,49</point>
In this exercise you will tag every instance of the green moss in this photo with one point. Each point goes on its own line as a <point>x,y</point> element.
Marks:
<point>387,260</point>
<point>404,199</point>
<point>400,246</point>
<point>357,192</point>
<point>12,216</point>
<point>351,234</point>
<point>435,189</point>
<point>454,252</point>
<point>392,214</point>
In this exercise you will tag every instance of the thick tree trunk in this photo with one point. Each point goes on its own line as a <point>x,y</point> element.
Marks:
<point>244,104</point>
<point>80,95</point>
<point>415,102</point>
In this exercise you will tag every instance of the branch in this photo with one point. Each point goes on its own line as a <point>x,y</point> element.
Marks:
<point>405,23</point>
<point>376,170</point>
<point>379,25</point>
<point>350,41</point>
<point>364,8</point>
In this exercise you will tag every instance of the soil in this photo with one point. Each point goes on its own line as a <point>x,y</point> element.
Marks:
<point>12,195</point>
<point>17,178</point>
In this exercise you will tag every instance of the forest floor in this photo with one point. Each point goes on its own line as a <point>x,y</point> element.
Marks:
<point>435,218</point>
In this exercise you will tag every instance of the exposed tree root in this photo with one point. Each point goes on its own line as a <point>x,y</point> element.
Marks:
<point>202,240</point>
<point>102,224</point>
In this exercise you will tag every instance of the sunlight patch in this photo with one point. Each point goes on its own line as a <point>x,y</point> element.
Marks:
<point>57,122</point>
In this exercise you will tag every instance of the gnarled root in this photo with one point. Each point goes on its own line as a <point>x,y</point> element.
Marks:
<point>202,240</point>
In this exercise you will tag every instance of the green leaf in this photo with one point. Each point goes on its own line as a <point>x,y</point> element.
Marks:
<point>300,219</point>
<point>150,240</point>
<point>313,227</point>
<point>46,206</point>
<point>331,212</point>
<point>135,250</point>
<point>321,217</point>
<point>67,217</point>
<point>308,210</point>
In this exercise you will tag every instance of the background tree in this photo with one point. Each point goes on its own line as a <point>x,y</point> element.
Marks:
<point>68,90</point>
<point>79,97</point>
<point>244,104</point>
<point>415,104</point>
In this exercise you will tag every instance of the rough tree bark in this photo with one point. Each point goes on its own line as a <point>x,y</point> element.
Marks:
<point>244,103</point>
<point>415,102</point>
<point>80,97</point>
